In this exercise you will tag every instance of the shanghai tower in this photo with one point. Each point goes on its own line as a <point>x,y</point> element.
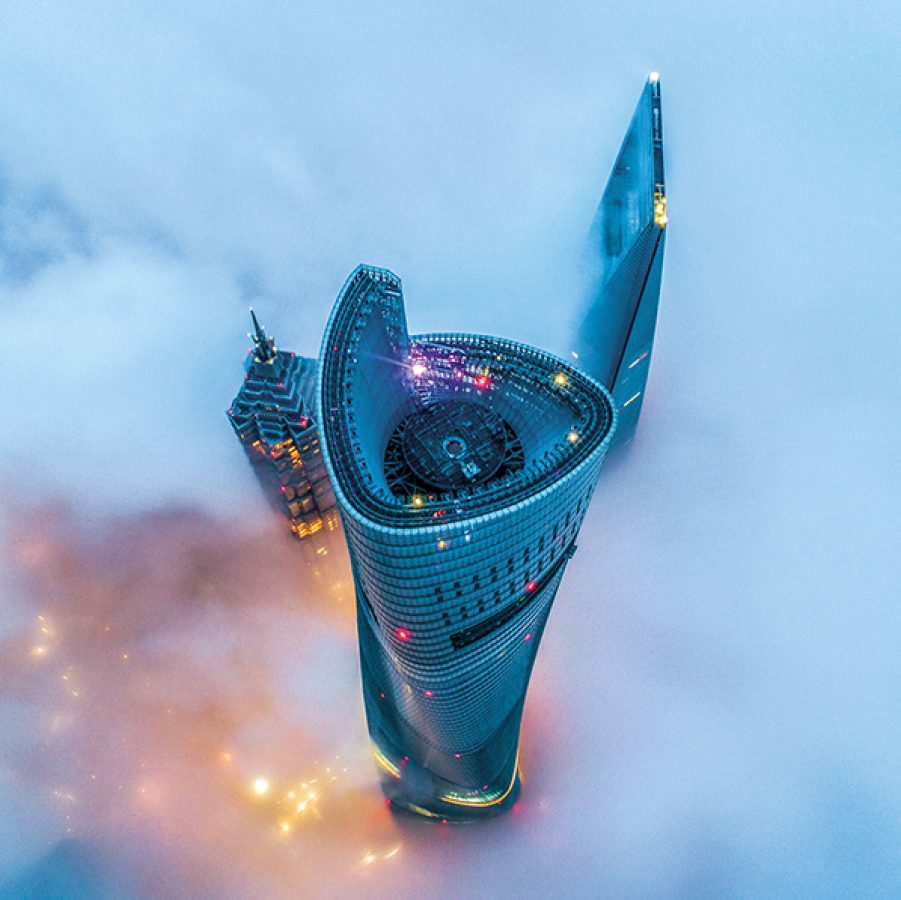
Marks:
<point>463,466</point>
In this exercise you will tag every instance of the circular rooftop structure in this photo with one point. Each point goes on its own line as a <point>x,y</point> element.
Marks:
<point>450,444</point>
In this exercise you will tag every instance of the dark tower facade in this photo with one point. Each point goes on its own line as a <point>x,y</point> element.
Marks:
<point>273,416</point>
<point>463,466</point>
<point>627,240</point>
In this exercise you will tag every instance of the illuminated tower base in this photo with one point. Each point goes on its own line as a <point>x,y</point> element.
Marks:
<point>414,790</point>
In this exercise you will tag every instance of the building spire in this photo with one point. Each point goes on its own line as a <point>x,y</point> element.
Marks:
<point>264,346</point>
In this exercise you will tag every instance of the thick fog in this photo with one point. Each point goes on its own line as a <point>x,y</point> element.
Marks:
<point>715,708</point>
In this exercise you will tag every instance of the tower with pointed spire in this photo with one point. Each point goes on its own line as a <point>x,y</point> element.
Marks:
<point>272,415</point>
<point>265,346</point>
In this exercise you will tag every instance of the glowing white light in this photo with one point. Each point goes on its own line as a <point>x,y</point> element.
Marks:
<point>418,369</point>
<point>260,786</point>
<point>654,76</point>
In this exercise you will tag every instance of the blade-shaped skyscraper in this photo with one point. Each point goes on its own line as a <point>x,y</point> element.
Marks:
<point>627,239</point>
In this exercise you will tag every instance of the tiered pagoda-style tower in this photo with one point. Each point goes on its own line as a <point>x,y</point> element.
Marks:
<point>273,415</point>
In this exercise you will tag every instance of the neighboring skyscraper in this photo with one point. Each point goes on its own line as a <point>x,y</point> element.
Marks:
<point>272,415</point>
<point>627,239</point>
<point>463,466</point>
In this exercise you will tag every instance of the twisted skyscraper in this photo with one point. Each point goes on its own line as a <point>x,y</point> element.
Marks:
<point>463,466</point>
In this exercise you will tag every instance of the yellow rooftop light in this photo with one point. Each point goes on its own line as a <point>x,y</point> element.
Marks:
<point>660,208</point>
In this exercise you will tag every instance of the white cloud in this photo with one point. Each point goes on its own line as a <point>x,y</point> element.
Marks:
<point>714,708</point>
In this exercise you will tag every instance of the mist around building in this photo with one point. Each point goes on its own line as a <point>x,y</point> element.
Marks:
<point>713,709</point>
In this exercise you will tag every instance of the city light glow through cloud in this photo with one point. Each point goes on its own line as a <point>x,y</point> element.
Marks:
<point>714,706</point>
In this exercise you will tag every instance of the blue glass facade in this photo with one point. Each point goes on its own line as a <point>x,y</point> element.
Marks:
<point>627,241</point>
<point>463,466</point>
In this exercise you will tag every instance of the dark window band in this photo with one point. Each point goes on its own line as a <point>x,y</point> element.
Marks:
<point>467,636</point>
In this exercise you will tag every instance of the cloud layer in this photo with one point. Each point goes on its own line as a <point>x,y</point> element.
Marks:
<point>714,709</point>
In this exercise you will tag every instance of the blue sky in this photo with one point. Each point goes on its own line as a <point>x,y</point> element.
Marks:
<point>715,707</point>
